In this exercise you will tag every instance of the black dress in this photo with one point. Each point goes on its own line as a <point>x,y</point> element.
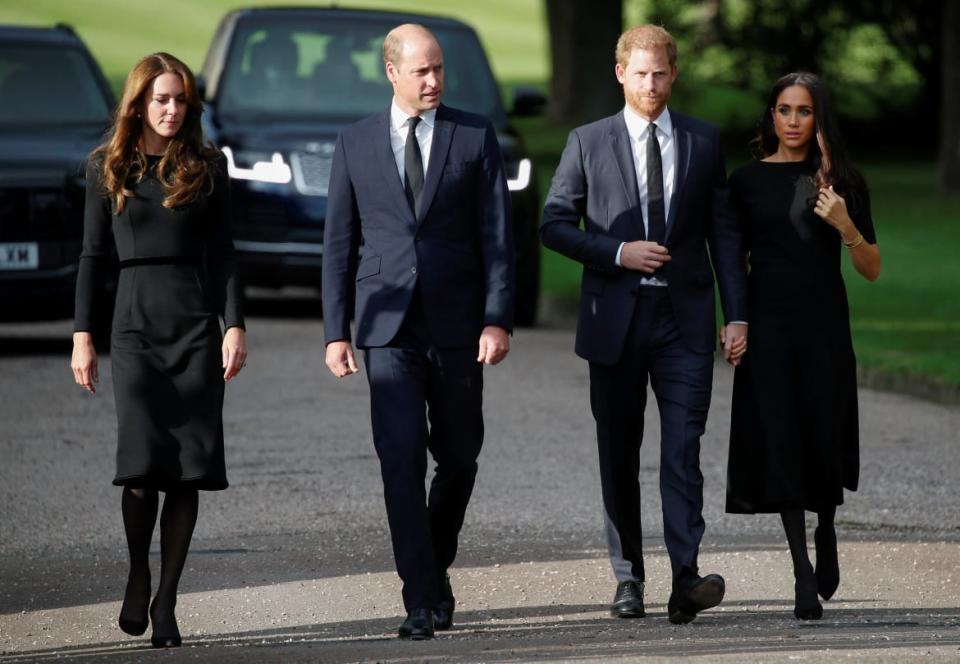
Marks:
<point>176,275</point>
<point>794,441</point>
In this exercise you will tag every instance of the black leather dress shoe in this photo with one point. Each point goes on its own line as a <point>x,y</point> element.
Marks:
<point>443,613</point>
<point>418,625</point>
<point>693,594</point>
<point>628,602</point>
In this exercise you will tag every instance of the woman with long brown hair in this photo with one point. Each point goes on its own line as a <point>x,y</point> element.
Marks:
<point>161,197</point>
<point>794,441</point>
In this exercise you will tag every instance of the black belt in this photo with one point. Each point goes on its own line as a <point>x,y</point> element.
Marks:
<point>160,260</point>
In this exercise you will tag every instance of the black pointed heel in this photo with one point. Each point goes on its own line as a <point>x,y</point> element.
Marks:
<point>166,634</point>
<point>807,606</point>
<point>828,567</point>
<point>133,612</point>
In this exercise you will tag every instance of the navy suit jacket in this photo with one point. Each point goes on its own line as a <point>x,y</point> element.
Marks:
<point>596,183</point>
<point>459,249</point>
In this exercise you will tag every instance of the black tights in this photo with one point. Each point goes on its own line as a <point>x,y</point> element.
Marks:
<point>795,526</point>
<point>177,519</point>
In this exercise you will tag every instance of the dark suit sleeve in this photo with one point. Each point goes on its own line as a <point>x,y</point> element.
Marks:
<point>221,257</point>
<point>496,235</point>
<point>566,206</point>
<point>96,251</point>
<point>725,240</point>
<point>341,242</point>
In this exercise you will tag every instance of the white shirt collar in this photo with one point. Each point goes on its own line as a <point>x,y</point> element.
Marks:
<point>637,126</point>
<point>398,119</point>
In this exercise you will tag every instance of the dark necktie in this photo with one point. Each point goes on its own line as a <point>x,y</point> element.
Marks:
<point>656,213</point>
<point>413,166</point>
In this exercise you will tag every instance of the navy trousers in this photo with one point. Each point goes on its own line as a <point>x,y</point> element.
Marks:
<point>425,399</point>
<point>681,380</point>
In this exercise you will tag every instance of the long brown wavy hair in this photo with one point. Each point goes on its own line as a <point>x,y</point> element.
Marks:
<point>184,166</point>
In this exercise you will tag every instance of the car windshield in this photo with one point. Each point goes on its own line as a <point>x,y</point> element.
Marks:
<point>48,85</point>
<point>309,70</point>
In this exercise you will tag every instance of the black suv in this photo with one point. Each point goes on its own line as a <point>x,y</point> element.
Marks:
<point>280,83</point>
<point>55,105</point>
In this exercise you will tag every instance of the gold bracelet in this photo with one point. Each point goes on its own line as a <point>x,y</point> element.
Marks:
<point>855,242</point>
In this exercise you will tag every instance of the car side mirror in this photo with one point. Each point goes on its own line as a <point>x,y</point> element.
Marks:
<point>528,102</point>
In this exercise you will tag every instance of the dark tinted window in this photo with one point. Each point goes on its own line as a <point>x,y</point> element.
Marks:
<point>313,69</point>
<point>48,85</point>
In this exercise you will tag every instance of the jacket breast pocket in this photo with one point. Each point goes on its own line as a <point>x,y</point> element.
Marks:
<point>368,267</point>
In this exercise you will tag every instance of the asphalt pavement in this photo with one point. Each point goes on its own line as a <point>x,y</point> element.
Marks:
<point>293,562</point>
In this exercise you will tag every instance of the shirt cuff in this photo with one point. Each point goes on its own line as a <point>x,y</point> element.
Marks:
<point>616,259</point>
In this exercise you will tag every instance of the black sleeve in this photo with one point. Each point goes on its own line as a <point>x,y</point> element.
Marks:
<point>96,252</point>
<point>221,258</point>
<point>564,209</point>
<point>341,241</point>
<point>861,217</point>
<point>496,232</point>
<point>724,237</point>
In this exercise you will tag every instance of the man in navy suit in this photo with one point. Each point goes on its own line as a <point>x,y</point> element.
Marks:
<point>649,186</point>
<point>422,187</point>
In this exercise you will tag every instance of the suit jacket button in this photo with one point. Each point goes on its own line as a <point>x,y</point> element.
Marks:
<point>413,269</point>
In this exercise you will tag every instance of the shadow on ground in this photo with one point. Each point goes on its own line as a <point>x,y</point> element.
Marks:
<point>560,632</point>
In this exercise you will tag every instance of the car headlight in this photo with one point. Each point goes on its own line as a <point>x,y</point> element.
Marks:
<point>522,178</point>
<point>275,170</point>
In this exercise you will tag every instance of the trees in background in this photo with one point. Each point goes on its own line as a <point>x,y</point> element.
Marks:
<point>583,36</point>
<point>894,65</point>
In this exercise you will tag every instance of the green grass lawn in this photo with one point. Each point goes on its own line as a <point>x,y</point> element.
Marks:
<point>907,322</point>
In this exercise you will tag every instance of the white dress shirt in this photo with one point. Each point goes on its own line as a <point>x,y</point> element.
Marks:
<point>398,135</point>
<point>637,129</point>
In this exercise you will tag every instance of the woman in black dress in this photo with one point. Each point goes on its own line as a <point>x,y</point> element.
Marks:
<point>160,196</point>
<point>794,442</point>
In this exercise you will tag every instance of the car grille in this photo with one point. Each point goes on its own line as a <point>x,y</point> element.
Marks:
<point>311,172</point>
<point>28,214</point>
<point>262,216</point>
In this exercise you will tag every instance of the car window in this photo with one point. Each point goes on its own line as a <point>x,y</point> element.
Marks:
<point>316,70</point>
<point>48,85</point>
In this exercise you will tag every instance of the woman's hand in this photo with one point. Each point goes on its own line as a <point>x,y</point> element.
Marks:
<point>832,208</point>
<point>84,361</point>
<point>733,338</point>
<point>234,352</point>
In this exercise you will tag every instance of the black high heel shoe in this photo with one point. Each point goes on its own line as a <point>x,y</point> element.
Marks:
<point>166,634</point>
<point>807,606</point>
<point>133,612</point>
<point>828,567</point>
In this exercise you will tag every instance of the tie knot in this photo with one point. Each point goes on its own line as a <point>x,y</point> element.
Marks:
<point>653,129</point>
<point>413,121</point>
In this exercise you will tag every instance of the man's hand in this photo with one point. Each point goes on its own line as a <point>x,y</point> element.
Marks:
<point>494,344</point>
<point>643,256</point>
<point>340,359</point>
<point>733,336</point>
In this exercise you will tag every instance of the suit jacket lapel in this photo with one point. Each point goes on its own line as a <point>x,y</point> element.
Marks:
<point>684,145</point>
<point>388,166</point>
<point>620,144</point>
<point>439,147</point>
